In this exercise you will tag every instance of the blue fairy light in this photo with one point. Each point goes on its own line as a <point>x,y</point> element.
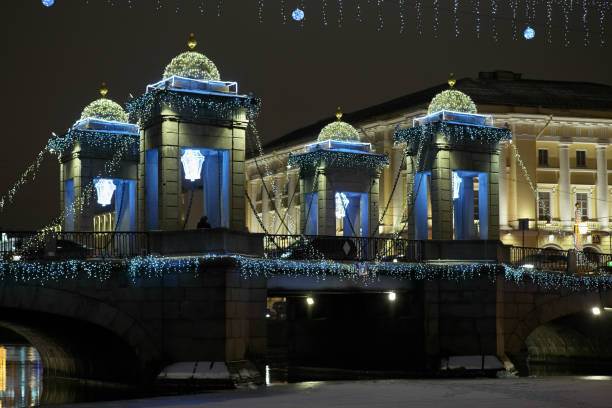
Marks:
<point>529,33</point>
<point>297,15</point>
<point>48,3</point>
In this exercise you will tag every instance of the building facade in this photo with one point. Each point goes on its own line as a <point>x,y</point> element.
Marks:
<point>557,157</point>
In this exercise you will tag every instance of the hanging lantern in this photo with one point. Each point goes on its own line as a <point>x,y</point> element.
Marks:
<point>456,185</point>
<point>192,160</point>
<point>341,203</point>
<point>105,189</point>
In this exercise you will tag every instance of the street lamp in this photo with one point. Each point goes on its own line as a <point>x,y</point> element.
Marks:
<point>580,228</point>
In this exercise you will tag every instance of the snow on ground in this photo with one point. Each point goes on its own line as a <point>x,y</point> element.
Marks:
<point>557,392</point>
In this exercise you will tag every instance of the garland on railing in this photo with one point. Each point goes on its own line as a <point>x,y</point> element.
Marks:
<point>151,267</point>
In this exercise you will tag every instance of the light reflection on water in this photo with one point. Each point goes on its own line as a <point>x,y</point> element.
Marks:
<point>20,376</point>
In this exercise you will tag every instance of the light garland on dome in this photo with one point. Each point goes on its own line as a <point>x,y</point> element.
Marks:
<point>454,133</point>
<point>146,106</point>
<point>192,65</point>
<point>452,100</point>
<point>338,130</point>
<point>105,109</point>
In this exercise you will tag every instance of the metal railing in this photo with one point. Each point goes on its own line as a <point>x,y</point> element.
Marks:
<point>555,260</point>
<point>72,245</point>
<point>341,248</point>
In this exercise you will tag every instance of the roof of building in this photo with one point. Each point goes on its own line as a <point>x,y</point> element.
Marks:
<point>501,88</point>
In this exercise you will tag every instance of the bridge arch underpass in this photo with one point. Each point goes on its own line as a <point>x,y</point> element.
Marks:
<point>79,337</point>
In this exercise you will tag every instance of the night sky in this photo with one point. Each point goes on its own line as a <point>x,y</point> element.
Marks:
<point>53,60</point>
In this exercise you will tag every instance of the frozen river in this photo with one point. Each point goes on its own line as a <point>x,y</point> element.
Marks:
<point>583,392</point>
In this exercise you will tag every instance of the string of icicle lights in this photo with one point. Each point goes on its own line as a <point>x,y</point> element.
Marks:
<point>523,19</point>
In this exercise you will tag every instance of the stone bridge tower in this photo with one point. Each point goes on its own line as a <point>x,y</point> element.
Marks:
<point>453,170</point>
<point>339,183</point>
<point>98,169</point>
<point>192,147</point>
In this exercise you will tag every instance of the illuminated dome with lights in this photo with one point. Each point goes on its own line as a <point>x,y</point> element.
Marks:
<point>452,100</point>
<point>104,109</point>
<point>192,64</point>
<point>339,130</point>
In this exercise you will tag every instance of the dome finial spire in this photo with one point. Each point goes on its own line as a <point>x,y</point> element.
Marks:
<point>103,89</point>
<point>192,42</point>
<point>451,80</point>
<point>339,114</point>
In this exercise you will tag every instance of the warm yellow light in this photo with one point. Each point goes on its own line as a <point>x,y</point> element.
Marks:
<point>583,228</point>
<point>310,301</point>
<point>392,296</point>
<point>596,311</point>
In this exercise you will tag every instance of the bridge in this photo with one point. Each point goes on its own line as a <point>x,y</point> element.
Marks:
<point>201,295</point>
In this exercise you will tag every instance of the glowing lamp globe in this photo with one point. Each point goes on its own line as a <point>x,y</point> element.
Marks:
<point>105,189</point>
<point>192,160</point>
<point>297,15</point>
<point>341,204</point>
<point>529,33</point>
<point>48,3</point>
<point>583,228</point>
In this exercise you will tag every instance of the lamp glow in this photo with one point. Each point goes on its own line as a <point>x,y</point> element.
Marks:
<point>596,311</point>
<point>392,296</point>
<point>192,160</point>
<point>529,33</point>
<point>310,301</point>
<point>48,3</point>
<point>456,185</point>
<point>105,189</point>
<point>583,228</point>
<point>341,203</point>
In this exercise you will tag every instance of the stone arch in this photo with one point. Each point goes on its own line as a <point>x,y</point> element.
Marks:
<point>552,246</point>
<point>591,248</point>
<point>34,311</point>
<point>545,307</point>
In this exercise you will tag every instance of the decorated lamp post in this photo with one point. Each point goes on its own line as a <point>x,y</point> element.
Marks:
<point>192,161</point>
<point>580,228</point>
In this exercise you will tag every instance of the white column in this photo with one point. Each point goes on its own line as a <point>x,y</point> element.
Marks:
<point>398,195</point>
<point>278,204</point>
<point>292,198</point>
<point>565,201</point>
<point>253,224</point>
<point>503,187</point>
<point>602,187</point>
<point>265,205</point>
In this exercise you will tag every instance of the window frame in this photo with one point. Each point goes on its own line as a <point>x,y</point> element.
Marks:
<point>585,157</point>
<point>540,162</point>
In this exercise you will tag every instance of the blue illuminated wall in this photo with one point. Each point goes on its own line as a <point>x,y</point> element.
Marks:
<point>69,205</point>
<point>463,206</point>
<point>311,211</point>
<point>125,205</point>
<point>152,188</point>
<point>420,205</point>
<point>355,222</point>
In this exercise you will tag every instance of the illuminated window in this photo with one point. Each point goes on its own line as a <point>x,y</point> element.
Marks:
<point>543,205</point>
<point>582,199</point>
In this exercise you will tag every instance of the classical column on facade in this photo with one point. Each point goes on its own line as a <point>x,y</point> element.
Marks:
<point>279,214</point>
<point>398,194</point>
<point>503,187</point>
<point>602,187</point>
<point>565,201</point>
<point>292,199</point>
<point>266,187</point>
<point>253,190</point>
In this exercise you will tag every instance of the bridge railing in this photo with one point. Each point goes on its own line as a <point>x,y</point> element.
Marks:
<point>72,245</point>
<point>342,248</point>
<point>555,260</point>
